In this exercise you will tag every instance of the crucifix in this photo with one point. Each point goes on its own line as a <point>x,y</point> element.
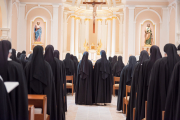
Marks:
<point>94,4</point>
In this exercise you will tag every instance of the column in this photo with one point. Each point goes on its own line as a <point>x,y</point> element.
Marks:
<point>125,59</point>
<point>77,36</point>
<point>178,21</point>
<point>61,30</point>
<point>121,34</point>
<point>99,30</point>
<point>82,34</point>
<point>87,30</point>
<point>54,33</point>
<point>109,37</point>
<point>72,36</point>
<point>131,35</point>
<point>65,33</point>
<point>103,34</point>
<point>21,27</point>
<point>164,29</point>
<point>113,47</point>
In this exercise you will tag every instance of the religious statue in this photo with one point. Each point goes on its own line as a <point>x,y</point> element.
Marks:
<point>148,35</point>
<point>86,46</point>
<point>38,32</point>
<point>99,47</point>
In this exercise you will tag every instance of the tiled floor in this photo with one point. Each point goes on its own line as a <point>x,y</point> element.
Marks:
<point>86,112</point>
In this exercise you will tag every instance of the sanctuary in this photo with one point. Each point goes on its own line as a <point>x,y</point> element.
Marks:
<point>124,27</point>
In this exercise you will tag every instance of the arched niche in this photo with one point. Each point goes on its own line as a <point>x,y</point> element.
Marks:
<point>143,18</point>
<point>31,15</point>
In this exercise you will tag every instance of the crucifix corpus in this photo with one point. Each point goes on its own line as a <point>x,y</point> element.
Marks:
<point>94,4</point>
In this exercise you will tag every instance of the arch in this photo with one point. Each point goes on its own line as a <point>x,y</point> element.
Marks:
<point>151,11</point>
<point>38,7</point>
<point>14,3</point>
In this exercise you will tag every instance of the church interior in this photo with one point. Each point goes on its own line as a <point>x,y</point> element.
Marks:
<point>100,60</point>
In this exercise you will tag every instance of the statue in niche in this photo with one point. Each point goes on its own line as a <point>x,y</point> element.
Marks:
<point>38,32</point>
<point>99,47</point>
<point>86,46</point>
<point>148,35</point>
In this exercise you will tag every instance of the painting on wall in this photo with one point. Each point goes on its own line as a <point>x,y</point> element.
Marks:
<point>38,33</point>
<point>147,35</point>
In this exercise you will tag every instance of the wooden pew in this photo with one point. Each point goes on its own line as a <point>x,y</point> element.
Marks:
<point>134,111</point>
<point>31,112</point>
<point>126,99</point>
<point>116,86</point>
<point>39,101</point>
<point>70,85</point>
<point>163,113</point>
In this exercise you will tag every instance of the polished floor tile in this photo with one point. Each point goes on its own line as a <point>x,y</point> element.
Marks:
<point>94,112</point>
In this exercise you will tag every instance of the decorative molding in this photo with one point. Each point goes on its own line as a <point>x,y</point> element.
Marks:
<point>38,7</point>
<point>151,11</point>
<point>87,19</point>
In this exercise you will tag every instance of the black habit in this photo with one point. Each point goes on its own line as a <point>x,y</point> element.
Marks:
<point>134,84</point>
<point>56,55</point>
<point>13,71</point>
<point>125,79</point>
<point>41,81</point>
<point>57,69</point>
<point>84,81</point>
<point>119,65</point>
<point>159,83</point>
<point>5,109</point>
<point>69,67</point>
<point>103,80</point>
<point>13,56</point>
<point>172,101</point>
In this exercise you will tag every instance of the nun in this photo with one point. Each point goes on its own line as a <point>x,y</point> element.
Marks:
<point>41,81</point>
<point>172,100</point>
<point>103,81</point>
<point>57,69</point>
<point>119,65</point>
<point>69,68</point>
<point>6,108</point>
<point>56,55</point>
<point>114,60</point>
<point>110,59</point>
<point>143,81</point>
<point>84,81</point>
<point>125,79</point>
<point>13,71</point>
<point>159,82</point>
<point>75,70</point>
<point>23,60</point>
<point>14,58</point>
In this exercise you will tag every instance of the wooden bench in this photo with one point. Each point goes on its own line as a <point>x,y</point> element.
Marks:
<point>116,86</point>
<point>163,113</point>
<point>70,85</point>
<point>39,101</point>
<point>31,112</point>
<point>126,99</point>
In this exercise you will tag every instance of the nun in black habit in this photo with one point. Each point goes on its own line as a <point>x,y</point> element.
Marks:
<point>125,79</point>
<point>143,82</point>
<point>159,82</point>
<point>119,65</point>
<point>5,109</point>
<point>172,101</point>
<point>114,60</point>
<point>134,84</point>
<point>13,56</point>
<point>18,54</point>
<point>58,72</point>
<point>23,60</point>
<point>41,81</point>
<point>56,55</point>
<point>103,81</point>
<point>75,70</point>
<point>110,59</point>
<point>69,66</point>
<point>84,81</point>
<point>13,71</point>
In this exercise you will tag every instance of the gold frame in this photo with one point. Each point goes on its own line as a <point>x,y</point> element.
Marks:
<point>154,35</point>
<point>32,35</point>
